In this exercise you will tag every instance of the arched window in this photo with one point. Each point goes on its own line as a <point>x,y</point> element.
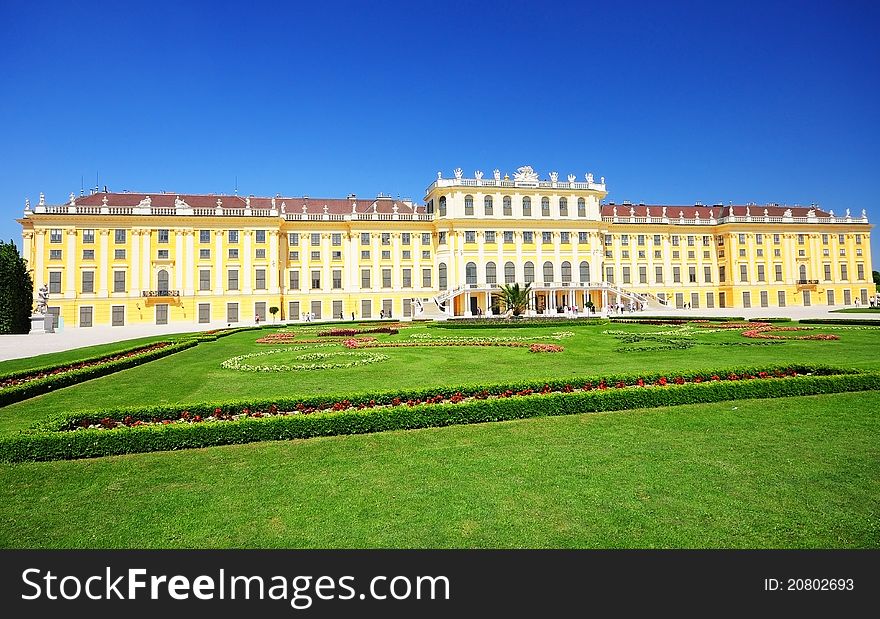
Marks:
<point>529,272</point>
<point>585,272</point>
<point>162,278</point>
<point>803,271</point>
<point>441,276</point>
<point>566,272</point>
<point>491,276</point>
<point>582,207</point>
<point>442,206</point>
<point>509,273</point>
<point>548,272</point>
<point>508,209</point>
<point>545,207</point>
<point>487,205</point>
<point>470,273</point>
<point>527,207</point>
<point>563,207</point>
<point>468,205</point>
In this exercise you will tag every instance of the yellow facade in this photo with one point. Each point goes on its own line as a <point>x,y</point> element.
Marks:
<point>107,261</point>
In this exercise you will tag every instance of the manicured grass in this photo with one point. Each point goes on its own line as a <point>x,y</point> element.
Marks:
<point>804,472</point>
<point>858,310</point>
<point>195,375</point>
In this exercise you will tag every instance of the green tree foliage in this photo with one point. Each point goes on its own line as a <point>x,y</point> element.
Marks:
<point>877,279</point>
<point>16,291</point>
<point>516,298</point>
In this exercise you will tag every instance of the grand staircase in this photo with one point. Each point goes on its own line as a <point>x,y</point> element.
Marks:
<point>428,309</point>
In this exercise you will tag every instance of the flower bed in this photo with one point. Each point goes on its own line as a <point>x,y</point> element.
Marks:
<point>351,332</point>
<point>545,348</point>
<point>362,358</point>
<point>202,425</point>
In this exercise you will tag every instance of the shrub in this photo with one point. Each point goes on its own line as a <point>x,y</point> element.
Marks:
<point>423,411</point>
<point>839,321</point>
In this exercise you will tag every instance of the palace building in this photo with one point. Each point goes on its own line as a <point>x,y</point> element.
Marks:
<point>123,258</point>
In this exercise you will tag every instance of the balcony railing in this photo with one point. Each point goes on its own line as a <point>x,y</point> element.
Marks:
<point>807,282</point>
<point>160,293</point>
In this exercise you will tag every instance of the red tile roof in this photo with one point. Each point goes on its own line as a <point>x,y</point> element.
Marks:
<point>689,212</point>
<point>335,206</point>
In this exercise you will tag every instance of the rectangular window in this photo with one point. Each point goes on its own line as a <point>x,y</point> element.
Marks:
<point>777,272</point>
<point>88,236</point>
<point>441,239</point>
<point>675,240</point>
<point>470,236</point>
<point>231,312</point>
<point>293,238</point>
<point>55,235</point>
<point>658,275</point>
<point>232,236</point>
<point>695,300</point>
<point>316,280</point>
<point>860,272</point>
<point>847,297</point>
<point>546,237</point>
<point>406,254</point>
<point>508,236</point>
<point>117,315</point>
<point>232,279</point>
<point>119,254</point>
<point>844,273</point>
<point>710,299</point>
<point>426,255</point>
<point>337,279</point>
<point>405,238</point>
<point>315,255</point>
<point>85,316</point>
<point>640,240</point>
<point>426,238</point>
<point>204,279</point>
<point>204,236</point>
<point>161,254</point>
<point>316,309</point>
<point>780,298</point>
<point>743,273</point>
<point>690,241</point>
<point>565,238</point>
<point>366,308</point>
<point>365,254</point>
<point>204,254</point>
<point>336,255</point>
<point>676,275</point>
<point>261,254</point>
<point>365,238</point>
<point>609,274</point>
<point>260,311</point>
<point>54,254</point>
<point>293,255</point>
<point>118,236</point>
<point>707,275</point>
<point>386,238</point>
<point>827,269</point>
<point>761,273</point>
<point>88,281</point>
<point>118,281</point>
<point>624,239</point>
<point>315,239</point>
<point>829,297</point>
<point>679,300</point>
<point>764,299</point>
<point>386,254</point>
<point>490,236</point>
<point>583,238</point>
<point>386,307</point>
<point>365,278</point>
<point>204,312</point>
<point>55,282</point>
<point>643,275</point>
<point>233,253</point>
<point>386,278</point>
<point>407,306</point>
<point>407,278</point>
<point>722,276</point>
<point>747,299</point>
<point>626,278</point>
<point>337,309</point>
<point>800,239</point>
<point>528,237</point>
<point>163,235</point>
<point>293,310</point>
<point>260,236</point>
<point>260,276</point>
<point>692,275</point>
<point>336,239</point>
<point>426,278</point>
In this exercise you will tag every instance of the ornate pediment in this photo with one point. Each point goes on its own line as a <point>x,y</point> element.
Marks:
<point>525,174</point>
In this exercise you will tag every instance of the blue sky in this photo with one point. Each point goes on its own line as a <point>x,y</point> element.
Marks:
<point>671,102</point>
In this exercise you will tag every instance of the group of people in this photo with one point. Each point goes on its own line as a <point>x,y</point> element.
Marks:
<point>620,308</point>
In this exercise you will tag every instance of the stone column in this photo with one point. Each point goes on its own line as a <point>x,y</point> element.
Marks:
<point>219,260</point>
<point>40,259</point>
<point>189,265</point>
<point>247,275</point>
<point>179,261</point>
<point>146,260</point>
<point>104,267</point>
<point>396,276</point>
<point>70,265</point>
<point>274,261</point>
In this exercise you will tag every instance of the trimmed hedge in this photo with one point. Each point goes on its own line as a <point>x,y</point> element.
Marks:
<point>839,321</point>
<point>56,381</point>
<point>676,319</point>
<point>512,323</point>
<point>49,445</point>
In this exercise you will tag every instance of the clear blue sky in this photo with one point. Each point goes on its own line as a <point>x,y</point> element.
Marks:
<point>671,102</point>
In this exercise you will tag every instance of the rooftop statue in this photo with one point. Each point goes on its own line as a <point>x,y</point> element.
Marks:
<point>525,174</point>
<point>497,174</point>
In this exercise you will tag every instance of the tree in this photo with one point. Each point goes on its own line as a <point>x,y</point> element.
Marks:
<point>877,280</point>
<point>16,291</point>
<point>273,310</point>
<point>515,298</point>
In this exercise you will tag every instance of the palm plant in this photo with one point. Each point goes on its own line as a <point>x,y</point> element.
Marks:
<point>515,298</point>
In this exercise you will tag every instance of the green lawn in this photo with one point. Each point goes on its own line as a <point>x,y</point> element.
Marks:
<point>858,310</point>
<point>799,472</point>
<point>749,474</point>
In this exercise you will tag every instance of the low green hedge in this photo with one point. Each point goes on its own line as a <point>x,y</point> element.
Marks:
<point>771,319</point>
<point>839,321</point>
<point>56,381</point>
<point>508,323</point>
<point>55,445</point>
